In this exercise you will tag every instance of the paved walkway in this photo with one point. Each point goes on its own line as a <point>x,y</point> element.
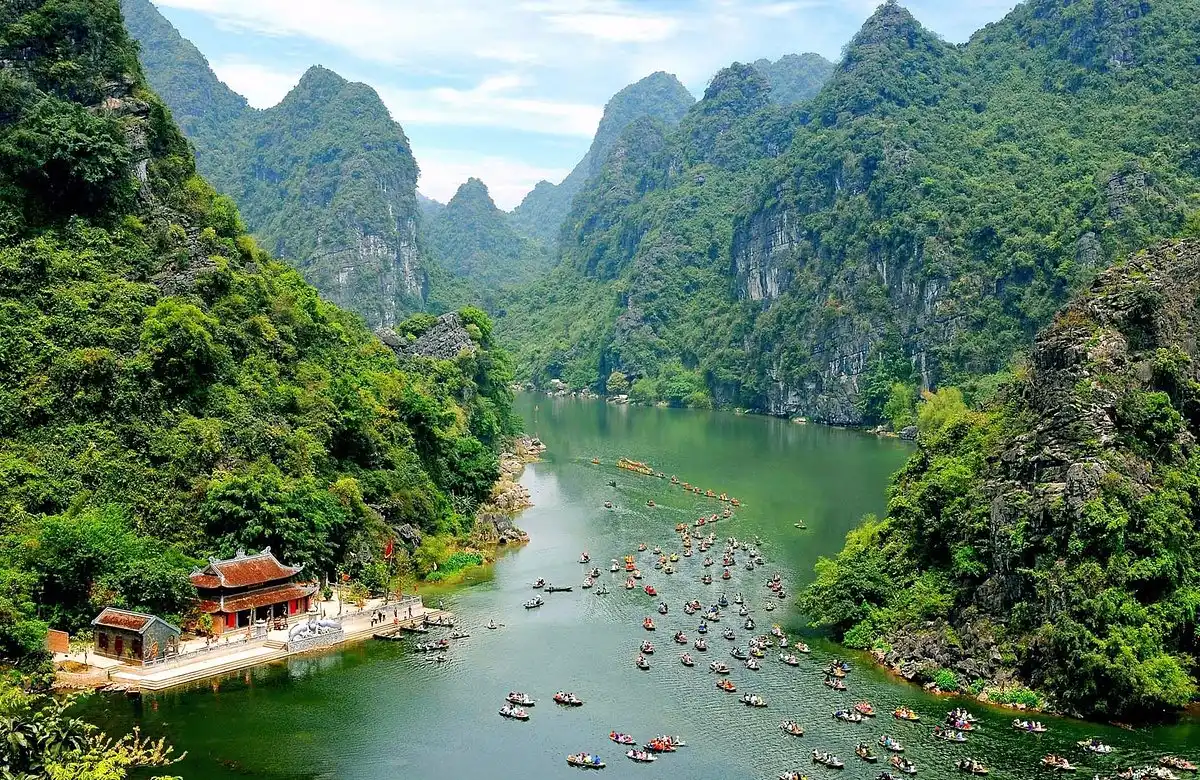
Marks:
<point>356,626</point>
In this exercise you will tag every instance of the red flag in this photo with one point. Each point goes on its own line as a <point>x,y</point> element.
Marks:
<point>388,548</point>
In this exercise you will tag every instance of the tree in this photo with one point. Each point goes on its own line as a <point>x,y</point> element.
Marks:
<point>618,384</point>
<point>900,409</point>
<point>939,408</point>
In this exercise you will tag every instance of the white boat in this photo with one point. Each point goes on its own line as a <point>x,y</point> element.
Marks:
<point>534,602</point>
<point>641,755</point>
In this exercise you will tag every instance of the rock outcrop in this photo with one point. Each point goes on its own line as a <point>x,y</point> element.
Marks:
<point>494,521</point>
<point>446,339</point>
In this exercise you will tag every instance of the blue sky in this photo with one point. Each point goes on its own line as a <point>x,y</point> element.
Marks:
<point>511,91</point>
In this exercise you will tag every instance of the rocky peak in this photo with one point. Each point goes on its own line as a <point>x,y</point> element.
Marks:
<point>444,339</point>
<point>738,89</point>
<point>472,193</point>
<point>891,62</point>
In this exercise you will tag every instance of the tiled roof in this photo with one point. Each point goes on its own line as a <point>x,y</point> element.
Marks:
<point>260,598</point>
<point>123,619</point>
<point>243,571</point>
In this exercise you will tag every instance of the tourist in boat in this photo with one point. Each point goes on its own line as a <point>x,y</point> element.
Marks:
<point>728,634</point>
<point>1031,726</point>
<point>769,607</point>
<point>584,557</point>
<point>615,567</point>
<point>865,709</point>
<point>749,624</point>
<point>903,713</point>
<point>539,583</point>
<point>630,584</point>
<point>1058,763</point>
<point>608,505</point>
<point>726,685</point>
<point>519,698</point>
<point>702,628</point>
<point>903,764</point>
<point>647,647</point>
<point>864,752</point>
<point>642,663</point>
<point>835,684</point>
<point>663,608</point>
<point>753,700</point>
<point>752,664</point>
<point>722,601</point>
<point>492,625</point>
<point>648,624</point>
<point>650,590</point>
<point>1094,745</point>
<point>950,735</point>
<point>650,503</point>
<point>827,759</point>
<point>642,547</point>
<point>641,755</point>
<point>725,574</point>
<point>569,699</point>
<point>971,766</point>
<point>718,667</point>
<point>516,713</point>
<point>888,743</point>
<point>534,602</point>
<point>680,638</point>
<point>687,660</point>
<point>790,660</point>
<point>1175,762</point>
<point>739,654</point>
<point>585,761</point>
<point>701,645</point>
<point>791,727</point>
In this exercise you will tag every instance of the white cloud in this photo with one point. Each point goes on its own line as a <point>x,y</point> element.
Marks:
<point>617,28</point>
<point>492,103</point>
<point>443,171</point>
<point>262,85</point>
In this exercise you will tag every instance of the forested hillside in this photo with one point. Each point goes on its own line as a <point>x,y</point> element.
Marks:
<point>1051,539</point>
<point>326,179</point>
<point>659,96</point>
<point>475,242</point>
<point>795,77</point>
<point>913,225</point>
<point>168,390</point>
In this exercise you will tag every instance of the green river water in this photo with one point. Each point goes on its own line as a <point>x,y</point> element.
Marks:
<point>380,710</point>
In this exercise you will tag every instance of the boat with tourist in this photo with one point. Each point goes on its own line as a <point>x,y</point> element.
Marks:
<point>701,644</point>
<point>719,667</point>
<point>1175,762</point>
<point>647,647</point>
<point>1094,745</point>
<point>558,588</point>
<point>827,760</point>
<point>1031,726</point>
<point>520,699</point>
<point>949,735</point>
<point>905,713</point>
<point>534,602</point>
<point>680,638</point>
<point>648,624</point>
<point>642,663</point>
<point>752,664</point>
<point>659,745</point>
<point>902,764</point>
<point>865,709</point>
<point>971,766</point>
<point>1057,763</point>
<point>789,659</point>
<point>835,684</point>
<point>687,660</point>
<point>791,727</point>
<point>539,583</point>
<point>847,716</point>
<point>753,700</point>
<point>514,712</point>
<point>887,742</point>
<point>621,739</point>
<point>585,761</point>
<point>864,752</point>
<point>726,685</point>
<point>641,755</point>
<point>567,699</point>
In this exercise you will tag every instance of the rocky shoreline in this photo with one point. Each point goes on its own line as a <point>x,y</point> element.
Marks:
<point>494,520</point>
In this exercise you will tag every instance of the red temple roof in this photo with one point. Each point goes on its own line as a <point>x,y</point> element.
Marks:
<point>260,598</point>
<point>243,571</point>
<point>125,620</point>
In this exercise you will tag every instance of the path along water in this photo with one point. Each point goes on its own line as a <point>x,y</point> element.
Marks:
<point>381,710</point>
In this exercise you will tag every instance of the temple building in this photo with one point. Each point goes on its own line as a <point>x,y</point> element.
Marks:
<point>133,637</point>
<point>246,588</point>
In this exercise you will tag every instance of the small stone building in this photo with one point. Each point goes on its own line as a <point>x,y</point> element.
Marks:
<point>133,637</point>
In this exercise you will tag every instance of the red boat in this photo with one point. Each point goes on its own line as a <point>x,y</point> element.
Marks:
<point>725,574</point>
<point>650,591</point>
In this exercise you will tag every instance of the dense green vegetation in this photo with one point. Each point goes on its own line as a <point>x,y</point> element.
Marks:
<point>326,180</point>
<point>1054,528</point>
<point>168,390</point>
<point>913,224</point>
<point>659,96</point>
<point>795,78</point>
<point>474,241</point>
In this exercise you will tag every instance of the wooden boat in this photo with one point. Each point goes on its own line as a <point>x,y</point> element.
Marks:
<point>520,699</point>
<point>949,735</point>
<point>687,660</point>
<point>887,743</point>
<point>905,713</point>
<point>1031,726</point>
<point>791,727</point>
<point>647,647</point>
<point>680,638</point>
<point>388,637</point>
<point>865,709</point>
<point>515,713</point>
<point>827,760</point>
<point>701,645</point>
<point>641,755</point>
<point>659,745</point>
<point>608,505</point>
<point>753,700</point>
<point>585,761</point>
<point>1057,763</point>
<point>718,667</point>
<point>903,764</point>
<point>1095,746</point>
<point>726,685</point>
<point>864,752</point>
<point>790,660</point>
<point>648,624</point>
<point>642,663</point>
<point>567,699</point>
<point>559,588</point>
<point>651,591</point>
<point>847,716</point>
<point>621,739</point>
<point>971,766</point>
<point>1175,762</point>
<point>834,683</point>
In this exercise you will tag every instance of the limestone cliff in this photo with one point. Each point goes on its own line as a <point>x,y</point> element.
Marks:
<point>325,180</point>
